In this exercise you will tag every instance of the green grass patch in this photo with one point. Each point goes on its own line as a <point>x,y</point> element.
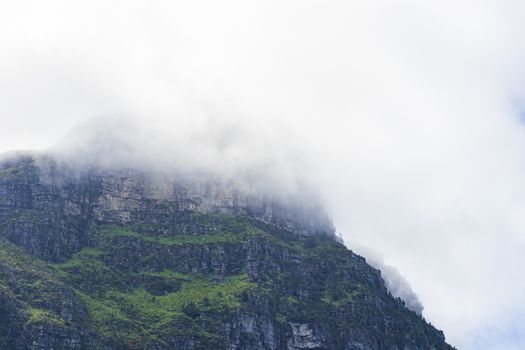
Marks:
<point>88,252</point>
<point>343,293</point>
<point>167,274</point>
<point>110,320</point>
<point>225,237</point>
<point>207,295</point>
<point>201,239</point>
<point>43,316</point>
<point>80,264</point>
<point>292,300</point>
<point>281,318</point>
<point>141,313</point>
<point>138,316</point>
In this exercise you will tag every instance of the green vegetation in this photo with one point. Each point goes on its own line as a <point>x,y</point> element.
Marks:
<point>141,314</point>
<point>281,318</point>
<point>17,260</point>
<point>222,222</point>
<point>141,286</point>
<point>110,320</point>
<point>43,316</point>
<point>201,239</point>
<point>88,251</point>
<point>116,231</point>
<point>349,297</point>
<point>174,279</point>
<point>167,274</point>
<point>226,237</point>
<point>138,306</point>
<point>17,171</point>
<point>339,293</point>
<point>29,283</point>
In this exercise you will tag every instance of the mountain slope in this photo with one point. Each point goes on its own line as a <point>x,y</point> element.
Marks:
<point>123,260</point>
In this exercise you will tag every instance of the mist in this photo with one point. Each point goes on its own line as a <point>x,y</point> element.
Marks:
<point>228,151</point>
<point>406,116</point>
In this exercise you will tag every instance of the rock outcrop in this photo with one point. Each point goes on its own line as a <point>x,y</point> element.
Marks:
<point>107,259</point>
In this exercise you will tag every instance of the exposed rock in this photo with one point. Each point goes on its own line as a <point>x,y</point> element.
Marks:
<point>304,337</point>
<point>100,259</point>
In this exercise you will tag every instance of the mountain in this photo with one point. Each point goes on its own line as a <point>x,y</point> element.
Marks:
<point>99,258</point>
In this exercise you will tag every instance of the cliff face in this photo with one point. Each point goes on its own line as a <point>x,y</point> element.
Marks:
<point>56,206</point>
<point>98,259</point>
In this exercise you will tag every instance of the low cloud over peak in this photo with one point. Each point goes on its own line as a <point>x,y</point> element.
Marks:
<point>407,116</point>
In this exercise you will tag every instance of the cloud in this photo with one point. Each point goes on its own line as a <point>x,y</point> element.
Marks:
<point>396,284</point>
<point>229,150</point>
<point>407,115</point>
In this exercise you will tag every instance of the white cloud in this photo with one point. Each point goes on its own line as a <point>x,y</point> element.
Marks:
<point>408,113</point>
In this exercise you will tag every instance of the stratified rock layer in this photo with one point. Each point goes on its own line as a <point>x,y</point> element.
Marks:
<point>99,259</point>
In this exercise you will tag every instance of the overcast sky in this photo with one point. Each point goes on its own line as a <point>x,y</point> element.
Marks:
<point>408,113</point>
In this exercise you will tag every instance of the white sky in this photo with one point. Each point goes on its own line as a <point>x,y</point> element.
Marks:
<point>409,113</point>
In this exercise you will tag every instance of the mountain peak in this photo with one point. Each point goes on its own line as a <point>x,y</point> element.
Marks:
<point>122,258</point>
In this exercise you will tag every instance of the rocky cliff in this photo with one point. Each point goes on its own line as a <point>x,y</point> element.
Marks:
<point>123,259</point>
